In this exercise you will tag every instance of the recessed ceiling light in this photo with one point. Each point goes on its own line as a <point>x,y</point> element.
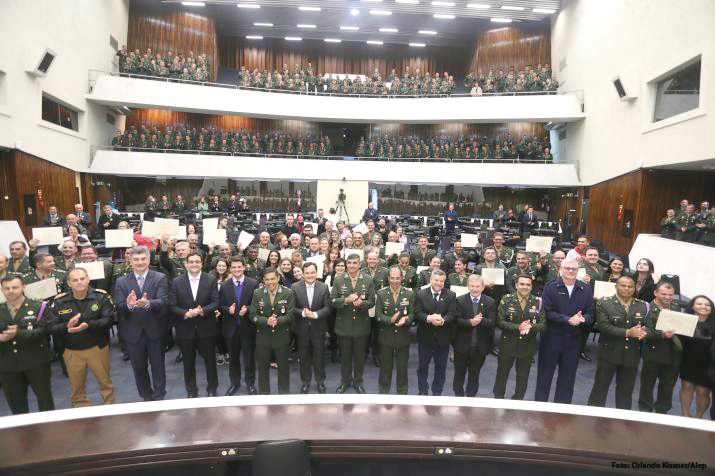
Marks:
<point>374,42</point>
<point>380,12</point>
<point>254,37</point>
<point>310,9</point>
<point>355,12</point>
<point>427,32</point>
<point>247,5</point>
<point>418,45</point>
<point>332,40</point>
<point>443,16</point>
<point>509,7</point>
<point>389,30</point>
<point>293,38</point>
<point>413,2</point>
<point>193,4</point>
<point>478,6</point>
<point>501,20</point>
<point>303,25</point>
<point>443,4</point>
<point>263,24</point>
<point>349,28</point>
<point>548,11</point>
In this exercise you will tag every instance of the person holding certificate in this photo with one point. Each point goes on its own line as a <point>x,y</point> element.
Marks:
<point>696,352</point>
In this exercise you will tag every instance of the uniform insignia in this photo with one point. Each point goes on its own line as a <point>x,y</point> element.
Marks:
<point>29,313</point>
<point>65,311</point>
<point>95,307</point>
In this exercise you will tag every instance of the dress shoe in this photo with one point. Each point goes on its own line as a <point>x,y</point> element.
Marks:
<point>585,356</point>
<point>252,390</point>
<point>495,352</point>
<point>376,360</point>
<point>125,357</point>
<point>304,388</point>
<point>192,395</point>
<point>211,393</point>
<point>179,358</point>
<point>232,390</point>
<point>359,389</point>
<point>321,388</point>
<point>342,389</point>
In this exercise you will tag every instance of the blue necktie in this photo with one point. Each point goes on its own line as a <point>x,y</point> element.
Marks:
<point>237,291</point>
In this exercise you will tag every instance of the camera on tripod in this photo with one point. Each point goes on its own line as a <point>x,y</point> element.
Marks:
<point>341,196</point>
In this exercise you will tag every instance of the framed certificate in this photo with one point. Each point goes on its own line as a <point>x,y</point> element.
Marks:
<point>537,244</point>
<point>41,290</point>
<point>602,289</point>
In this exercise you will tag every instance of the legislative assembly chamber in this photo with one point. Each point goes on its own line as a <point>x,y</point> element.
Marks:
<point>357,237</point>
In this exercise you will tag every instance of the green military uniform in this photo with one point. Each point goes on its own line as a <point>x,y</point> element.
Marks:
<point>409,277</point>
<point>708,233</point>
<point>617,354</point>
<point>423,279</point>
<point>418,258</point>
<point>352,324</point>
<point>515,347</point>
<point>119,270</point>
<point>379,280</point>
<point>394,340</point>
<point>668,228</point>
<point>26,358</point>
<point>505,255</point>
<point>514,271</point>
<point>594,271</point>
<point>272,339</point>
<point>457,280</point>
<point>65,265</point>
<point>21,266</point>
<point>661,360</point>
<point>379,276</point>
<point>172,266</point>
<point>254,268</point>
<point>552,269</point>
<point>688,222</point>
<point>59,276</point>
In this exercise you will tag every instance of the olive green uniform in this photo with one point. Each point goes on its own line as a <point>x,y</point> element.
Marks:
<point>418,258</point>
<point>394,340</point>
<point>457,280</point>
<point>379,280</point>
<point>409,277</point>
<point>707,237</point>
<point>668,228</point>
<point>21,266</point>
<point>505,255</point>
<point>254,268</point>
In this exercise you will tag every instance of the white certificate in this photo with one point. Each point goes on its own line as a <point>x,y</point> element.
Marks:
<point>180,233</point>
<point>421,268</point>
<point>459,290</point>
<point>581,274</point>
<point>2,298</point>
<point>95,269</point>
<point>362,228</point>
<point>51,235</point>
<point>602,289</point>
<point>469,240</point>
<point>214,235</point>
<point>318,264</point>
<point>333,218</point>
<point>352,251</point>
<point>536,244</point>
<point>210,223</point>
<point>118,238</point>
<point>148,229</point>
<point>493,276</point>
<point>41,290</point>
<point>166,226</point>
<point>263,253</point>
<point>286,254</point>
<point>394,249</point>
<point>316,259</point>
<point>245,239</point>
<point>680,322</point>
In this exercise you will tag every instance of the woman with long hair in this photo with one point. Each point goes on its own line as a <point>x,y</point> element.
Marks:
<point>645,279</point>
<point>614,270</point>
<point>273,260</point>
<point>694,373</point>
<point>285,270</point>
<point>222,275</point>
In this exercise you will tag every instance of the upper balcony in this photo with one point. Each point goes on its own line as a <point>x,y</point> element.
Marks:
<point>226,99</point>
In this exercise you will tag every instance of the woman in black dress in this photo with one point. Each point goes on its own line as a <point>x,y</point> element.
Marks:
<point>645,279</point>
<point>614,269</point>
<point>696,358</point>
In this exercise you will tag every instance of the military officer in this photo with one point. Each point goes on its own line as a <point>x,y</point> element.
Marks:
<point>423,278</point>
<point>504,254</point>
<point>352,295</point>
<point>553,264</point>
<point>521,267</point>
<point>394,310</point>
<point>409,274</point>
<point>379,280</point>
<point>422,255</point>
<point>459,276</point>
<point>174,266</point>
<point>24,353</point>
<point>520,318</point>
<point>707,227</point>
<point>69,257</point>
<point>623,325</point>
<point>667,225</point>
<point>685,223</point>
<point>594,271</point>
<point>19,261</point>
<point>662,352</point>
<point>458,253</point>
<point>272,310</point>
<point>4,267</point>
<point>254,264</point>
<point>491,260</point>
<point>45,269</point>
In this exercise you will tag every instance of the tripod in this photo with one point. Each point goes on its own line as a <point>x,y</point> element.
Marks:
<point>341,209</point>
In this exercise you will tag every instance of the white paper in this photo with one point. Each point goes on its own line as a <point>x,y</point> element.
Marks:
<point>118,238</point>
<point>209,223</point>
<point>51,235</point>
<point>362,228</point>
<point>581,274</point>
<point>316,259</point>
<point>166,226</point>
<point>245,239</point>
<point>214,235</point>
<point>2,298</point>
<point>10,231</point>
<point>287,253</point>
<point>350,251</point>
<point>459,290</point>
<point>469,240</point>
<point>602,289</point>
<point>95,269</point>
<point>333,218</point>
<point>680,322</point>
<point>148,229</point>
<point>536,244</point>
<point>394,249</point>
<point>425,286</point>
<point>180,233</point>
<point>493,276</point>
<point>421,268</point>
<point>263,253</point>
<point>41,290</point>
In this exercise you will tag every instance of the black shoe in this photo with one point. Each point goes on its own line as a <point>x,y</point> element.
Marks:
<point>359,389</point>
<point>376,360</point>
<point>179,358</point>
<point>321,388</point>
<point>334,355</point>
<point>192,395</point>
<point>125,357</point>
<point>585,356</point>
<point>304,388</point>
<point>211,393</point>
<point>495,352</point>
<point>252,390</point>
<point>232,390</point>
<point>342,389</point>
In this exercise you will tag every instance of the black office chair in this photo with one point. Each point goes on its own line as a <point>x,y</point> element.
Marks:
<point>673,279</point>
<point>281,458</point>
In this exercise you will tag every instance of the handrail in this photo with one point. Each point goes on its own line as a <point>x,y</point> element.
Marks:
<point>326,157</point>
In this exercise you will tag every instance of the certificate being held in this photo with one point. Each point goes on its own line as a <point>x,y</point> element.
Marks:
<point>394,248</point>
<point>48,236</point>
<point>118,238</point>
<point>350,251</point>
<point>602,289</point>
<point>493,276</point>
<point>245,239</point>
<point>95,269</point>
<point>41,290</point>
<point>286,254</point>
<point>459,290</point>
<point>216,236</point>
<point>469,240</point>
<point>537,244</point>
<point>679,322</point>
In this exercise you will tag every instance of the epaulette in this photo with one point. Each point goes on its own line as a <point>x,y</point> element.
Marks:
<point>100,291</point>
<point>60,295</point>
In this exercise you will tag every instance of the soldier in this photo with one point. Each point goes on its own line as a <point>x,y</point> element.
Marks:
<point>45,268</point>
<point>272,311</point>
<point>553,264</point>
<point>504,254</point>
<point>379,279</point>
<point>495,291</point>
<point>24,353</point>
<point>520,318</point>
<point>458,253</point>
<point>19,261</point>
<point>667,225</point>
<point>459,277</point>
<point>422,255</point>
<point>352,295</point>
<point>686,225</point>
<point>594,271</point>
<point>706,228</point>
<point>423,278</point>
<point>173,266</point>
<point>521,267</point>
<point>409,274</point>
<point>623,323</point>
<point>254,264</point>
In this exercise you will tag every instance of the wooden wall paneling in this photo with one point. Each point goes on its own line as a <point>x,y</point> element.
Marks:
<point>516,46</point>
<point>8,186</point>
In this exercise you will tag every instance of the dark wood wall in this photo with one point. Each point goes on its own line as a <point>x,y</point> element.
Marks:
<point>516,46</point>
<point>180,32</point>
<point>347,57</point>
<point>22,175</point>
<point>516,129</point>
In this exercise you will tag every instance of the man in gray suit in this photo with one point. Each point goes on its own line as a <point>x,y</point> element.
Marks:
<point>312,306</point>
<point>142,298</point>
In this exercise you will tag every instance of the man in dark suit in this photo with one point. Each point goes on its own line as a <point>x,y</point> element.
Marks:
<point>53,218</point>
<point>238,330</point>
<point>475,334</point>
<point>310,322</point>
<point>528,221</point>
<point>435,310</point>
<point>141,297</point>
<point>84,218</point>
<point>193,299</point>
<point>107,221</point>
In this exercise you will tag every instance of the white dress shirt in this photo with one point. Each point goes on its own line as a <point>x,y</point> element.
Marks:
<point>194,282</point>
<point>309,289</point>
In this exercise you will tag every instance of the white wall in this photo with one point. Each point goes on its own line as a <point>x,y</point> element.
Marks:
<point>78,31</point>
<point>356,197</point>
<point>637,40</point>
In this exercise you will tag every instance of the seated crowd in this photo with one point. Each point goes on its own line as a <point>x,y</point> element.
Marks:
<point>255,303</point>
<point>525,80</point>
<point>689,224</point>
<point>189,67</point>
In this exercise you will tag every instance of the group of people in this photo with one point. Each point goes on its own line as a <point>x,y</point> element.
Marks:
<point>528,79</point>
<point>690,224</point>
<point>463,147</point>
<point>176,66</point>
<point>299,285</point>
<point>299,79</point>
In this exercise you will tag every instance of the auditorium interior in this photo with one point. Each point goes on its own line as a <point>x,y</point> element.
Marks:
<point>226,177</point>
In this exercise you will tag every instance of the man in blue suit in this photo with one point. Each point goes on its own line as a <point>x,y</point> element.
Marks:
<point>569,309</point>
<point>141,298</point>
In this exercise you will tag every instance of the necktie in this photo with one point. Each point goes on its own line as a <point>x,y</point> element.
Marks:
<point>436,297</point>
<point>140,282</point>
